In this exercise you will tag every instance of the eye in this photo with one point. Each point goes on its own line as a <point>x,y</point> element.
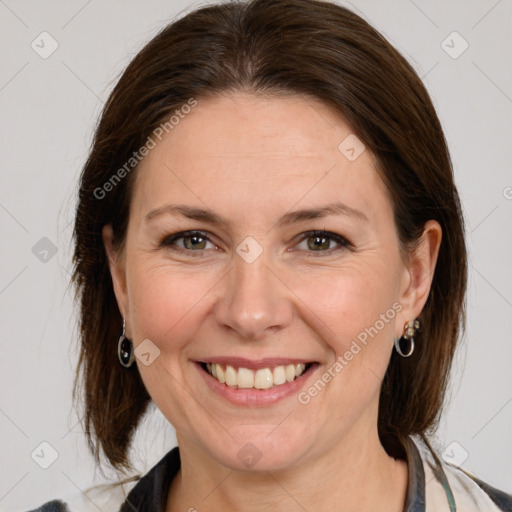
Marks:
<point>321,241</point>
<point>193,241</point>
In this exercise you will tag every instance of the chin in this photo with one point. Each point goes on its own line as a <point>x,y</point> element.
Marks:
<point>260,448</point>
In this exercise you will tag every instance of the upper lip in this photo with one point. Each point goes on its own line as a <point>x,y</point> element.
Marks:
<point>254,364</point>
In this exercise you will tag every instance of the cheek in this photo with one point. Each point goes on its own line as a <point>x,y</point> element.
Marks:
<point>165,304</point>
<point>166,307</point>
<point>354,303</point>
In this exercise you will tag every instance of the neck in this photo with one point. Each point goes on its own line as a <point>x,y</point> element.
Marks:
<point>351,476</point>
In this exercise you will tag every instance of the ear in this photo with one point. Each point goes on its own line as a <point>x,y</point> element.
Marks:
<point>418,274</point>
<point>116,263</point>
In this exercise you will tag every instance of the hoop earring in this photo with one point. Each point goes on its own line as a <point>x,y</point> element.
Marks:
<point>125,349</point>
<point>409,333</point>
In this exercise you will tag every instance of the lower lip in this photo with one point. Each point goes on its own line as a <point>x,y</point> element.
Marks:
<point>256,397</point>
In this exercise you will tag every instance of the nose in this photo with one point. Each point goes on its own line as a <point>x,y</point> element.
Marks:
<point>254,301</point>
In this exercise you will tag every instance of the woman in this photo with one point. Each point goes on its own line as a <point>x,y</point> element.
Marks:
<point>268,217</point>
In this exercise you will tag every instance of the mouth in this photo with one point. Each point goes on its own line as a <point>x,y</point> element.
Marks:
<point>264,378</point>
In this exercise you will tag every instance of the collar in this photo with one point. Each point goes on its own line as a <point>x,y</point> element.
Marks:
<point>150,493</point>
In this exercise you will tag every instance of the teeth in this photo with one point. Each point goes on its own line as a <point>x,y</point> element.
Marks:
<point>221,374</point>
<point>279,375</point>
<point>245,378</point>
<point>290,372</point>
<point>231,376</point>
<point>264,378</point>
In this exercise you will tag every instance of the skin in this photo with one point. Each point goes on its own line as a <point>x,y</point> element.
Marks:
<point>252,159</point>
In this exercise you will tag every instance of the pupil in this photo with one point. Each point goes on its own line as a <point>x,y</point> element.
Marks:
<point>194,240</point>
<point>317,238</point>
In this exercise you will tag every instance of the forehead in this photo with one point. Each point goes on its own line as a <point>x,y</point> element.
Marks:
<point>239,152</point>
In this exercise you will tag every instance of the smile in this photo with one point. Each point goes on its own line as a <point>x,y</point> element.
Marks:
<point>262,378</point>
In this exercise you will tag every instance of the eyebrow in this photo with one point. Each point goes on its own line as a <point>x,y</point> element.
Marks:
<point>209,216</point>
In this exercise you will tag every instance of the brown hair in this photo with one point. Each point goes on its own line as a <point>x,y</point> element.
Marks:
<point>317,49</point>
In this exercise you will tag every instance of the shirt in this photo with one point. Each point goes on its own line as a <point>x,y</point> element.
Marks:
<point>434,486</point>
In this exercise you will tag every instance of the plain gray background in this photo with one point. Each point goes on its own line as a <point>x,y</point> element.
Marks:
<point>49,107</point>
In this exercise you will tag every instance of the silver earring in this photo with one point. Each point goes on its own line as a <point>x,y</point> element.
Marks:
<point>409,333</point>
<point>125,349</point>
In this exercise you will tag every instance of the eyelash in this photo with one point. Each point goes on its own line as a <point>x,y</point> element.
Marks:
<point>168,241</point>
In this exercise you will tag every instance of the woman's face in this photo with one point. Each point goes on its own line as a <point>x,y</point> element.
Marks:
<point>257,290</point>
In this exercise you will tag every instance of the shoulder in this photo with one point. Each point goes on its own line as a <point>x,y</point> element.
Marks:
<point>135,493</point>
<point>501,498</point>
<point>474,490</point>
<point>52,506</point>
<point>100,497</point>
<point>449,483</point>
